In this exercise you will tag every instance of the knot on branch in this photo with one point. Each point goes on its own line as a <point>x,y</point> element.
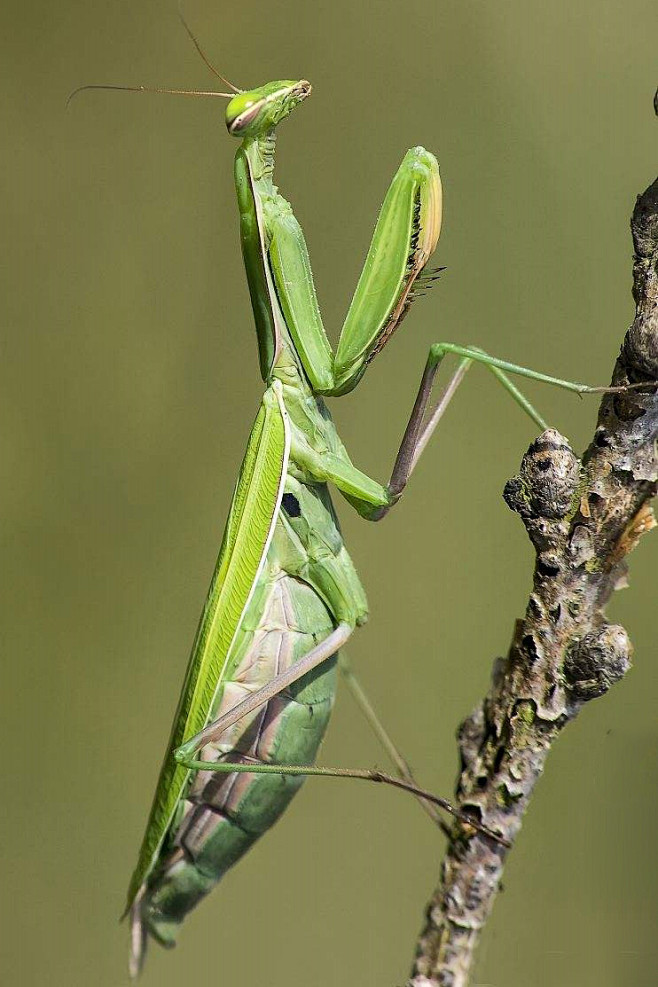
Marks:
<point>543,491</point>
<point>596,662</point>
<point>638,359</point>
<point>644,227</point>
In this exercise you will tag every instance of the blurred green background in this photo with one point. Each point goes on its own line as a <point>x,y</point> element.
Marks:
<point>130,383</point>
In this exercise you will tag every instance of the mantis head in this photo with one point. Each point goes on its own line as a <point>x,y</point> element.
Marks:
<point>256,111</point>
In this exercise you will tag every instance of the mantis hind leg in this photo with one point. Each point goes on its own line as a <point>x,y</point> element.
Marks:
<point>185,755</point>
<point>311,660</point>
<point>402,766</point>
<point>242,764</point>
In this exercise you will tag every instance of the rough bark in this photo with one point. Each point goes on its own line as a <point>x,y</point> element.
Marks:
<point>583,518</point>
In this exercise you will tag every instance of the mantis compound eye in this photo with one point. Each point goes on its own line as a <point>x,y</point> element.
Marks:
<point>242,110</point>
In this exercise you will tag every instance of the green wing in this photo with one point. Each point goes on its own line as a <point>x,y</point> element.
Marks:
<point>246,539</point>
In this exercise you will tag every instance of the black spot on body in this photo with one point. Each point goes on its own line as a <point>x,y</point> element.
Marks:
<point>290,505</point>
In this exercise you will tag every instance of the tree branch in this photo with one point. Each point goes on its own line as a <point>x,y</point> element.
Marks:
<point>583,517</point>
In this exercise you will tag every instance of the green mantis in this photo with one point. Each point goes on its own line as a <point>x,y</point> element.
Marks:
<point>285,596</point>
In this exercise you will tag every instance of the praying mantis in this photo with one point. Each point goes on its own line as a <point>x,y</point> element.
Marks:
<point>285,596</point>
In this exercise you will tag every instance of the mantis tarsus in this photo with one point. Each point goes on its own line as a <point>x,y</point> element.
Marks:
<point>285,596</point>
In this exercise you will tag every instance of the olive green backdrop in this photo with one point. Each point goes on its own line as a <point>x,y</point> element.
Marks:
<point>130,382</point>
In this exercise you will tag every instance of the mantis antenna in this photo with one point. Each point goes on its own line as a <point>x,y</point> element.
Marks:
<point>204,56</point>
<point>171,92</point>
<point>150,89</point>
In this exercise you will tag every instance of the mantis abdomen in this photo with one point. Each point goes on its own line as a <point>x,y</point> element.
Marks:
<point>222,815</point>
